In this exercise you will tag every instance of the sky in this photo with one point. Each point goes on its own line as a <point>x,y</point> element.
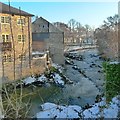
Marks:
<point>92,13</point>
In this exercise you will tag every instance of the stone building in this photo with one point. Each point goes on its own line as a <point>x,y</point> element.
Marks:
<point>15,42</point>
<point>46,37</point>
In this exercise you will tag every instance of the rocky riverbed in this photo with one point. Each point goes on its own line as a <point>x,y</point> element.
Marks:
<point>87,75</point>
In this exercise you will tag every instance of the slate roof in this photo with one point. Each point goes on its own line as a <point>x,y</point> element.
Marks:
<point>4,8</point>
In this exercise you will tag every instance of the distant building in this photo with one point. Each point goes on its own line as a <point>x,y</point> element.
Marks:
<point>15,42</point>
<point>46,37</point>
<point>67,34</point>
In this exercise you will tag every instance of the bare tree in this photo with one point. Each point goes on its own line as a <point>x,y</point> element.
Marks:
<point>72,25</point>
<point>107,37</point>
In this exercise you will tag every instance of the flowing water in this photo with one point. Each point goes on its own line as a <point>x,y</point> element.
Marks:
<point>83,90</point>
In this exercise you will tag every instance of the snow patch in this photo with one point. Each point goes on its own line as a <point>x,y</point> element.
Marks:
<point>42,78</point>
<point>29,80</point>
<point>60,68</point>
<point>58,79</point>
<point>51,110</point>
<point>115,62</point>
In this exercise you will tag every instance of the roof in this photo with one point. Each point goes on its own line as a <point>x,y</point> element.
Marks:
<point>50,24</point>
<point>5,9</point>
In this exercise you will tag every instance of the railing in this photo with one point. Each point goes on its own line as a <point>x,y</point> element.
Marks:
<point>6,46</point>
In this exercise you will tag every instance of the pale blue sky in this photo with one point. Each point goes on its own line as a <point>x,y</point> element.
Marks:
<point>92,13</point>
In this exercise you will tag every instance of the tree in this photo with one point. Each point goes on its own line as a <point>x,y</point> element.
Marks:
<point>72,24</point>
<point>107,37</point>
<point>72,27</point>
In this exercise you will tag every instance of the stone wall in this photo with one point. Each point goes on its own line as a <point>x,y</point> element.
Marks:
<point>53,38</point>
<point>39,46</point>
<point>56,47</point>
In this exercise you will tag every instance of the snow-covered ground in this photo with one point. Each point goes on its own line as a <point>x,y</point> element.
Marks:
<point>98,110</point>
<point>74,48</point>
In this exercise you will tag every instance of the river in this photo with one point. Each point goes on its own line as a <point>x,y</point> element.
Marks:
<point>83,90</point>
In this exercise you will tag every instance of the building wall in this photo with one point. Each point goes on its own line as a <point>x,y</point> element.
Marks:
<point>20,47</point>
<point>40,25</point>
<point>54,39</point>
<point>56,48</point>
<point>40,41</point>
<point>39,46</point>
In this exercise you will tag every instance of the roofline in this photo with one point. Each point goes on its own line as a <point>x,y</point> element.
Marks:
<point>12,13</point>
<point>48,22</point>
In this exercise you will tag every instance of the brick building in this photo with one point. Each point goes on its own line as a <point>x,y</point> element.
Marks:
<point>15,42</point>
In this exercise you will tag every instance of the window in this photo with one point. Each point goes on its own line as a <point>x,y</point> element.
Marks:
<point>5,38</point>
<point>21,38</point>
<point>4,58</point>
<point>7,58</point>
<point>22,57</point>
<point>21,21</point>
<point>5,19</point>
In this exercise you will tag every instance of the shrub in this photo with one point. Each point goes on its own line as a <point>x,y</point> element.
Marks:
<point>112,75</point>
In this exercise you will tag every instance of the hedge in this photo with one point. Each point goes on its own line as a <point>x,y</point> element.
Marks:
<point>112,76</point>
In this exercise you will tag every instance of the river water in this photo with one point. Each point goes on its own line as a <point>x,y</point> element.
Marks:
<point>83,90</point>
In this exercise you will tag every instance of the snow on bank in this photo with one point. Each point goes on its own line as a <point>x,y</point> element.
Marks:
<point>113,109</point>
<point>58,79</point>
<point>29,80</point>
<point>51,110</point>
<point>42,78</point>
<point>74,48</point>
<point>60,68</point>
<point>115,62</point>
<point>102,110</point>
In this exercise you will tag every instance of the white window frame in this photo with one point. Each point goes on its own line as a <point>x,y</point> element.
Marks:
<point>6,20</point>
<point>23,56</point>
<point>21,21</point>
<point>6,38</point>
<point>7,58</point>
<point>21,38</point>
